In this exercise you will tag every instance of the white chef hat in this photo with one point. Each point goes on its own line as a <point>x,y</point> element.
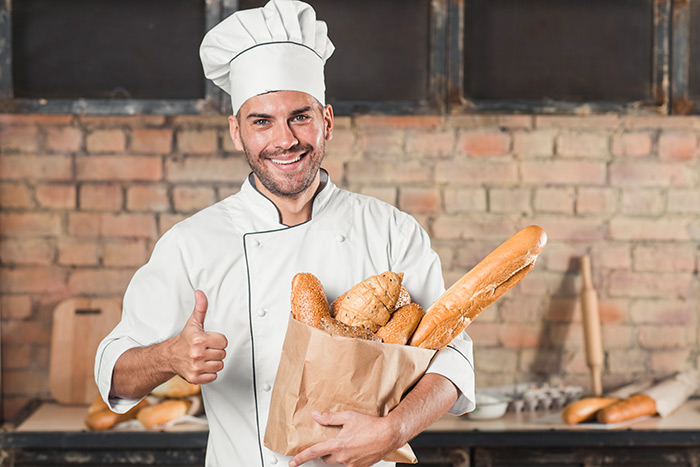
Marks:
<point>280,47</point>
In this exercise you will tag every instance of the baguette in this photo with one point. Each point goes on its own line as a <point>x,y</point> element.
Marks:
<point>176,387</point>
<point>402,324</point>
<point>627,409</point>
<point>163,412</point>
<point>585,409</point>
<point>484,284</point>
<point>310,306</point>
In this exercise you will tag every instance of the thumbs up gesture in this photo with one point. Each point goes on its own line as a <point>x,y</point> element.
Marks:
<point>198,355</point>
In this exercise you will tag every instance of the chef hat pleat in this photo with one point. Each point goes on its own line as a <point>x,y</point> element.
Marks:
<point>278,47</point>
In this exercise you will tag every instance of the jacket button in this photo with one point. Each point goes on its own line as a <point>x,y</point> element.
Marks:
<point>262,312</point>
<point>340,238</point>
<point>273,460</point>
<point>254,242</point>
<point>266,387</point>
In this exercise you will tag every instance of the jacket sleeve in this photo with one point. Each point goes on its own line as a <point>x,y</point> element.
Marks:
<point>411,253</point>
<point>154,309</point>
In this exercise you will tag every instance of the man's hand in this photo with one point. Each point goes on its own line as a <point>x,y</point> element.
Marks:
<point>363,441</point>
<point>198,355</point>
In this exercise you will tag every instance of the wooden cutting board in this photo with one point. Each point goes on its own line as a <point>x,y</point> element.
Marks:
<point>79,325</point>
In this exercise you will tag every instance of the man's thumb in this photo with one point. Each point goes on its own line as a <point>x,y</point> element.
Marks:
<point>200,308</point>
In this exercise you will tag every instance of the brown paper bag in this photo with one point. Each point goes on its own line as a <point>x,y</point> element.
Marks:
<point>327,373</point>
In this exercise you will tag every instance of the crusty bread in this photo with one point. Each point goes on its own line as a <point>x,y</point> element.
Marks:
<point>370,303</point>
<point>100,417</point>
<point>402,324</point>
<point>176,387</point>
<point>634,406</point>
<point>585,409</point>
<point>404,298</point>
<point>163,412</point>
<point>310,306</point>
<point>484,284</point>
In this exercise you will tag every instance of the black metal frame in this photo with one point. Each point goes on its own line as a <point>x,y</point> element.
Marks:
<point>458,102</point>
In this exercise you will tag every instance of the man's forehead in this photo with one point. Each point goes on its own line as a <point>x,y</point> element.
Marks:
<point>278,102</point>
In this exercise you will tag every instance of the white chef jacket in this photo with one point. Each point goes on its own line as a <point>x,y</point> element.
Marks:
<point>240,255</point>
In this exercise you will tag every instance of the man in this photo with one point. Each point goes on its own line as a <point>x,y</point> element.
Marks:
<point>212,303</point>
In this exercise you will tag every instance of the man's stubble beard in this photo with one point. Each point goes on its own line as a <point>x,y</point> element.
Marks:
<point>272,184</point>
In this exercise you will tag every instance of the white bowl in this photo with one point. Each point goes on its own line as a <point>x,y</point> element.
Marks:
<point>488,407</point>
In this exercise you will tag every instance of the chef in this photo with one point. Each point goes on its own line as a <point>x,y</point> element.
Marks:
<point>213,302</point>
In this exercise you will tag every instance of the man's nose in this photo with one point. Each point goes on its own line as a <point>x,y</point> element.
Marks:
<point>284,136</point>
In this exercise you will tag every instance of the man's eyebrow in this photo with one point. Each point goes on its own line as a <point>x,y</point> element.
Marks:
<point>257,115</point>
<point>308,108</point>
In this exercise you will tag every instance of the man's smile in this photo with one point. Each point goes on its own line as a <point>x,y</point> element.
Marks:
<point>287,161</point>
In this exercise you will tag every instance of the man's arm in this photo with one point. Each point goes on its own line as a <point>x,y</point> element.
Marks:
<point>364,440</point>
<point>194,354</point>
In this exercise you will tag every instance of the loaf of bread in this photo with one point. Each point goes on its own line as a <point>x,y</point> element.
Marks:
<point>176,387</point>
<point>370,303</point>
<point>402,324</point>
<point>404,298</point>
<point>163,412</point>
<point>310,306</point>
<point>100,417</point>
<point>450,314</point>
<point>634,406</point>
<point>585,409</point>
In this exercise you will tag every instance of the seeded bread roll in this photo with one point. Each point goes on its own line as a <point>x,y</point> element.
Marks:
<point>402,324</point>
<point>310,306</point>
<point>477,289</point>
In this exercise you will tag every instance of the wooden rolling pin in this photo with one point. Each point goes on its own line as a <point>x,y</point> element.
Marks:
<point>591,327</point>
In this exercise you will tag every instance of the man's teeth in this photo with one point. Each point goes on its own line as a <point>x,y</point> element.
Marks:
<point>291,161</point>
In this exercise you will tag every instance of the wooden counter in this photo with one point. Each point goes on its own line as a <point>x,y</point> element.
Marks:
<point>53,432</point>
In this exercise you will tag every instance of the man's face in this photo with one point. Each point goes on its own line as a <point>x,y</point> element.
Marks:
<point>283,135</point>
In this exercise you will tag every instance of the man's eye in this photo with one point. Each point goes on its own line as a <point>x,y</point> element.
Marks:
<point>260,122</point>
<point>300,118</point>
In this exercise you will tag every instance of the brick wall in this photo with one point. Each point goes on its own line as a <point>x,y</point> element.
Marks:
<point>83,199</point>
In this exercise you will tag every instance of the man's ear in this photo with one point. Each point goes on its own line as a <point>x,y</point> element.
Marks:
<point>328,122</point>
<point>235,132</point>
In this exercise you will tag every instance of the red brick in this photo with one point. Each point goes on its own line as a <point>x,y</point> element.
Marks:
<point>472,227</point>
<point>33,251</point>
<point>12,405</point>
<point>342,143</point>
<point>223,192</point>
<point>152,140</point>
<point>540,282</point>
<point>469,253</point>
<point>207,169</point>
<point>650,285</point>
<point>555,200</point>
<point>663,311</point>
<point>612,256</point>
<point>35,119</point>
<point>382,144</point>
<point>588,122</point>
<point>612,311</point>
<point>413,171</point>
<point>643,201</point>
<point>468,172</point>
<point>56,196</point>
<point>19,139</point>
<point>582,144</point>
<point>665,229</point>
<point>101,197</point>
<point>664,257</point>
<point>197,141</point>
<point>627,361</point>
<point>518,309</point>
<point>562,257</point>
<point>566,336</point>
<point>484,143</point>
<point>510,200</point>
<point>34,381</point>
<point>15,195</point>
<point>103,141</point>
<point>147,198</point>
<point>20,224</point>
<point>73,252</point>
<point>664,122</point>
<point>674,145</point>
<point>84,224</point>
<point>432,144</point>
<point>496,360</point>
<point>593,200</point>
<point>16,306</point>
<point>190,199</point>
<point>571,229</point>
<point>17,356</point>
<point>64,139</point>
<point>128,225</point>
<point>666,362</point>
<point>564,172</point>
<point>166,221</point>
<point>132,121</point>
<point>36,167</point>
<point>633,144</point>
<point>684,201</point>
<point>564,310</point>
<point>651,174</point>
<point>388,194</point>
<point>484,334</point>
<point>124,253</point>
<point>419,199</point>
<point>199,121</point>
<point>535,143</point>
<point>663,337</point>
<point>426,122</point>
<point>465,200</point>
<point>119,168</point>
<point>99,281</point>
<point>40,280</point>
<point>335,169</point>
<point>540,361</point>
